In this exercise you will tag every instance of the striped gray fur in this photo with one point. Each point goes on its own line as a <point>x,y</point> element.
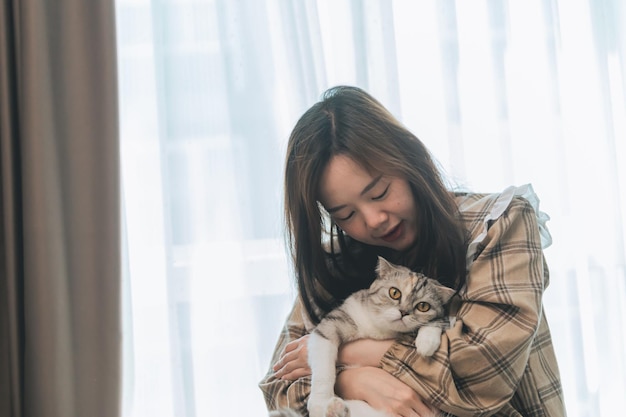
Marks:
<point>350,320</point>
<point>398,301</point>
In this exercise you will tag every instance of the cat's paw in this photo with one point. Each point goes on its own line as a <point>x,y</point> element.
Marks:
<point>427,341</point>
<point>337,408</point>
<point>316,407</point>
<point>426,348</point>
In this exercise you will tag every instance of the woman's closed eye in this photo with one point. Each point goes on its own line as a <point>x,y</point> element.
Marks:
<point>383,194</point>
<point>344,218</point>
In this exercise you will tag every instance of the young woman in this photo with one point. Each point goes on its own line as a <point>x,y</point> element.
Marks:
<point>358,184</point>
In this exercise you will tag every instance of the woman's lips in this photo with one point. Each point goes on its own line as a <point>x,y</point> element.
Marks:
<point>394,234</point>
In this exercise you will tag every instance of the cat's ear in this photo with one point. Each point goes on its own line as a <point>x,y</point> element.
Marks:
<point>445,293</point>
<point>384,267</point>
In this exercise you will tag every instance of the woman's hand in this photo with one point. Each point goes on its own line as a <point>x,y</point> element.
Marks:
<point>382,391</point>
<point>293,362</point>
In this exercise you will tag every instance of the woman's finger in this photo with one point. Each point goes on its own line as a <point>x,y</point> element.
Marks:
<point>290,370</point>
<point>282,360</point>
<point>297,352</point>
<point>422,411</point>
<point>296,373</point>
<point>291,362</point>
<point>292,356</point>
<point>291,345</point>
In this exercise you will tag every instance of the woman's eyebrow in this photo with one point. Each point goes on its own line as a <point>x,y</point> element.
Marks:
<point>371,184</point>
<point>365,190</point>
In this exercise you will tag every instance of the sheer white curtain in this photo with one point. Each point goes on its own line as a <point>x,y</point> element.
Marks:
<point>503,92</point>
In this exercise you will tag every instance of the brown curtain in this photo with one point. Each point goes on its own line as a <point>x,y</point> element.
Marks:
<point>59,210</point>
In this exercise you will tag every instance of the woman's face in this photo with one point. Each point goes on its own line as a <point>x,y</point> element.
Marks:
<point>374,209</point>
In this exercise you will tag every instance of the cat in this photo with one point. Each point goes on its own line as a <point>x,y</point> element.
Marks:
<point>398,301</point>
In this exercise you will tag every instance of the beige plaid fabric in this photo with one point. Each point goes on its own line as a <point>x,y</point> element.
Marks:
<point>498,357</point>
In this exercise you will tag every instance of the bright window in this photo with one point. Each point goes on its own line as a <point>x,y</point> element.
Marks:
<point>502,92</point>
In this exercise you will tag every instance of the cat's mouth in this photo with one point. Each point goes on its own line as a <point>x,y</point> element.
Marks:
<point>403,321</point>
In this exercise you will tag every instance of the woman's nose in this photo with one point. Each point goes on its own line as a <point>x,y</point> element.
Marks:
<point>374,219</point>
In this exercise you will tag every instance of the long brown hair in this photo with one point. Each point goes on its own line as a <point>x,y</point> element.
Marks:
<point>348,121</point>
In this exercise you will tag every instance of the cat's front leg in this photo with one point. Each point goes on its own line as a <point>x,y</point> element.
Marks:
<point>320,402</point>
<point>428,340</point>
<point>322,359</point>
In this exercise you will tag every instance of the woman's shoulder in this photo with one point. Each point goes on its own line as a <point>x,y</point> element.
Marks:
<point>479,210</point>
<point>475,209</point>
<point>490,206</point>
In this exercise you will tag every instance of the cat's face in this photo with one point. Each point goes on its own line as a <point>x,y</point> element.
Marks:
<point>406,300</point>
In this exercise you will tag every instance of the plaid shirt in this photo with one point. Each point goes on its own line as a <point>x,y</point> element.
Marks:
<point>497,359</point>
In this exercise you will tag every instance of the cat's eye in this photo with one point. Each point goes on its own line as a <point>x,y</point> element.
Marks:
<point>423,307</point>
<point>395,293</point>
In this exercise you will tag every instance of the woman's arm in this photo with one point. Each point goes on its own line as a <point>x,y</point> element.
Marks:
<point>382,391</point>
<point>363,352</point>
<point>500,330</point>
<point>287,384</point>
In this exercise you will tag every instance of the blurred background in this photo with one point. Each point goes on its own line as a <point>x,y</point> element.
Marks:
<point>502,92</point>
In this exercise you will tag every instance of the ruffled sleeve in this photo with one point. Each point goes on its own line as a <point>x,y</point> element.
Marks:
<point>500,203</point>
